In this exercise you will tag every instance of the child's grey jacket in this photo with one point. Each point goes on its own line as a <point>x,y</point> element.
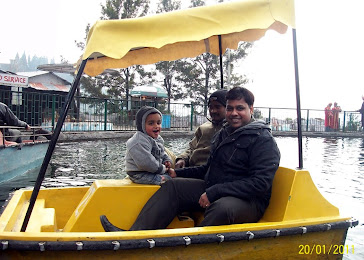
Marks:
<point>145,154</point>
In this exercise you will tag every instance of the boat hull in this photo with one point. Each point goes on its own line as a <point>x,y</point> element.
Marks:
<point>18,159</point>
<point>312,245</point>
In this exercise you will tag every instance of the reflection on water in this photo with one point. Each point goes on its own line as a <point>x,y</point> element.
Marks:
<point>361,155</point>
<point>78,165</point>
<point>336,166</point>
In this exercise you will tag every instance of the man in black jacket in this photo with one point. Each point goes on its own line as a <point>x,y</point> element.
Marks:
<point>233,187</point>
<point>7,118</point>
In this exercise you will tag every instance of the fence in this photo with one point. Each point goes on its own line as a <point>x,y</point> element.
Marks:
<point>92,114</point>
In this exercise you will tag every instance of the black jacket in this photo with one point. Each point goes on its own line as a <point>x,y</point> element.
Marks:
<point>242,164</point>
<point>8,118</point>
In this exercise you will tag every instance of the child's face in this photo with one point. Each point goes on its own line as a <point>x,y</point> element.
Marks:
<point>153,125</point>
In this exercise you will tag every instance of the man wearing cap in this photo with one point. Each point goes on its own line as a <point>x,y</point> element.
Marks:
<point>199,147</point>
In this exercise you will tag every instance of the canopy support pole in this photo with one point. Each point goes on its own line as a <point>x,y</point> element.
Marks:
<point>221,70</point>
<point>298,101</point>
<point>52,145</point>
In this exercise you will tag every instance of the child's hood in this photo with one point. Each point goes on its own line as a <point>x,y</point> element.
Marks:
<point>141,116</point>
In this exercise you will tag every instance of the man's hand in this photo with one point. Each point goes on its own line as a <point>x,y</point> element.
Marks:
<point>204,201</point>
<point>180,164</point>
<point>172,173</point>
<point>27,127</point>
<point>168,164</point>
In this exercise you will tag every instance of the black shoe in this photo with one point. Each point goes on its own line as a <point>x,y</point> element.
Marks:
<point>108,227</point>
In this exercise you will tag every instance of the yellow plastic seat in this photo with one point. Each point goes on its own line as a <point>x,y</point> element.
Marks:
<point>295,196</point>
<point>42,219</point>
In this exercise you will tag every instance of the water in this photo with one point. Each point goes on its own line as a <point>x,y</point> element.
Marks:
<point>336,166</point>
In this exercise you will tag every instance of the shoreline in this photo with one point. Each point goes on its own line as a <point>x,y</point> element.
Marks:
<point>101,135</point>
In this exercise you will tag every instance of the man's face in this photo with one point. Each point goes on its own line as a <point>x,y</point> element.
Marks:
<point>238,113</point>
<point>217,111</point>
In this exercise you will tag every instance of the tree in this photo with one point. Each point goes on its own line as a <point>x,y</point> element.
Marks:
<point>122,9</point>
<point>116,84</point>
<point>196,3</point>
<point>21,64</point>
<point>169,68</point>
<point>230,61</point>
<point>14,64</point>
<point>201,75</point>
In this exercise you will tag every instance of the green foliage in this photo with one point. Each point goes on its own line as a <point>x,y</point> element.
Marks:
<point>122,9</point>
<point>201,75</point>
<point>118,84</point>
<point>257,114</point>
<point>168,6</point>
<point>231,60</point>
<point>123,81</point>
<point>81,44</point>
<point>353,124</point>
<point>91,88</point>
<point>196,3</point>
<point>195,78</point>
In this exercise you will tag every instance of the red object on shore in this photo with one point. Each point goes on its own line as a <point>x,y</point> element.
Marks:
<point>329,116</point>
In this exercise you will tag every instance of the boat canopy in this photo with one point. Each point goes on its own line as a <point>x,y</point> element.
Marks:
<point>183,33</point>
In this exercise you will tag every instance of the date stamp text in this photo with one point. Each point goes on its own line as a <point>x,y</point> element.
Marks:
<point>325,249</point>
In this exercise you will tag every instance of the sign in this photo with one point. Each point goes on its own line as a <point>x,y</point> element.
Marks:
<point>13,80</point>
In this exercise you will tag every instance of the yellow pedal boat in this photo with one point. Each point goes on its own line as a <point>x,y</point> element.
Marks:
<point>64,223</point>
<point>299,222</point>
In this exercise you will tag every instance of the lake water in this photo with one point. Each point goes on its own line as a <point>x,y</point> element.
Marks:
<point>336,166</point>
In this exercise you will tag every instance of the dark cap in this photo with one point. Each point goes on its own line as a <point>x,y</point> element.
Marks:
<point>219,96</point>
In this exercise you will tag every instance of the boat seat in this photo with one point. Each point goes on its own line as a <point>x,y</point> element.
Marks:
<point>120,200</point>
<point>295,196</point>
<point>42,219</point>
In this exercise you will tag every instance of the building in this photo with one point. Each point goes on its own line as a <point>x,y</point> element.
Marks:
<point>33,96</point>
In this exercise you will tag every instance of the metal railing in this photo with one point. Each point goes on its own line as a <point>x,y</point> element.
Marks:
<point>13,135</point>
<point>93,114</point>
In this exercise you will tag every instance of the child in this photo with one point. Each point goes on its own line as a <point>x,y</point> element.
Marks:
<point>146,160</point>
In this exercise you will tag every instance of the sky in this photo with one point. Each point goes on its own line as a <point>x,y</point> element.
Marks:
<point>329,41</point>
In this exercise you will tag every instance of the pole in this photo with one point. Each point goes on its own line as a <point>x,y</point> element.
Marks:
<point>221,70</point>
<point>192,111</point>
<point>52,145</point>
<point>298,101</point>
<point>229,69</point>
<point>105,115</point>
